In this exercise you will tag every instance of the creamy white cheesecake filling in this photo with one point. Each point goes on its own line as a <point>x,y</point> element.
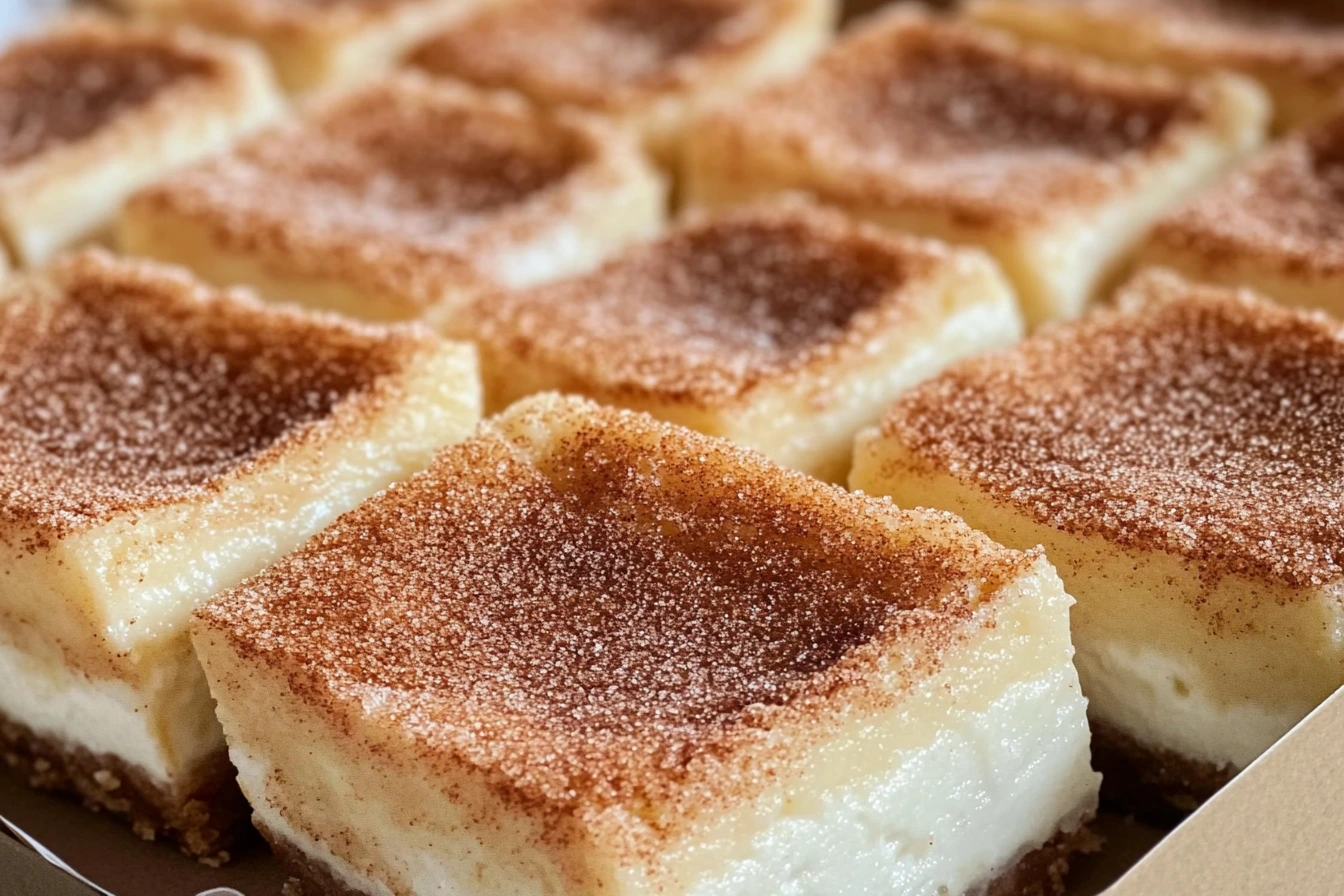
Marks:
<point>947,817</point>
<point>944,817</point>
<point>166,729</point>
<point>1154,659</point>
<point>1158,699</point>
<point>354,804</point>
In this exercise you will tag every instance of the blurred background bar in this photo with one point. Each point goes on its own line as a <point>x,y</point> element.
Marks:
<point>859,7</point>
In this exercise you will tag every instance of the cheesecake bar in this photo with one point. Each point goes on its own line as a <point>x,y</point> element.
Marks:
<point>1179,458</point>
<point>93,110</point>
<point>653,65</point>
<point>1276,225</point>
<point>589,653</point>
<point>324,45</point>
<point>784,327</point>
<point>159,442</point>
<point>402,196</point>
<point>1055,164</point>
<point>1295,48</point>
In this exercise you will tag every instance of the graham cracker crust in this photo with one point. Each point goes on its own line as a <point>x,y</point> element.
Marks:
<point>308,876</point>
<point>1154,785</point>
<point>1041,872</point>
<point>205,822</point>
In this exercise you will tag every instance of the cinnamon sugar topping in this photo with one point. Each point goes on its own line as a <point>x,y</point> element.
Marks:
<point>391,186</point>
<point>604,620</point>
<point>64,87</point>
<point>393,162</point>
<point>714,308</point>
<point>1295,18</point>
<point>583,50</point>
<point>950,92</point>
<point>124,385</point>
<point>1204,423</point>
<point>1284,209</point>
<point>911,108</point>
<point>671,27</point>
<point>1296,46</point>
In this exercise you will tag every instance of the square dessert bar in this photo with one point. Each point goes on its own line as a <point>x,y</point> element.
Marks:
<point>159,442</point>
<point>93,110</point>
<point>588,652</point>
<point>404,195</point>
<point>785,328</point>
<point>1055,164</point>
<point>1180,459</point>
<point>323,45</point>
<point>1276,225</point>
<point>1295,48</point>
<point>651,64</point>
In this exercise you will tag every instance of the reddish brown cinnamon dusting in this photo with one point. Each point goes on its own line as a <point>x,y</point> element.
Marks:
<point>715,308</point>
<point>584,50</point>
<point>386,160</point>
<point>67,86</point>
<point>385,187</point>
<point>1295,17</point>
<point>949,92</point>
<point>632,610</point>
<point>1300,39</point>
<point>124,385</point>
<point>1284,210</point>
<point>672,27</point>
<point>911,109</point>
<point>1207,425</point>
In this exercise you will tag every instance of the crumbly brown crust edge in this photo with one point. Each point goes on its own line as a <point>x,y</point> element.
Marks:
<point>1044,871</point>
<point>1041,872</point>
<point>205,821</point>
<point>1154,785</point>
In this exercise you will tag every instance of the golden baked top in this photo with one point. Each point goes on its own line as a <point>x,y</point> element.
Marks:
<point>64,86</point>
<point>595,52</point>
<point>1194,420</point>
<point>598,611</point>
<point>917,111</point>
<point>126,385</point>
<point>715,308</point>
<point>1284,209</point>
<point>391,186</point>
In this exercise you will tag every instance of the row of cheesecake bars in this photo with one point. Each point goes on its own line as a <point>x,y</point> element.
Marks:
<point>572,649</point>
